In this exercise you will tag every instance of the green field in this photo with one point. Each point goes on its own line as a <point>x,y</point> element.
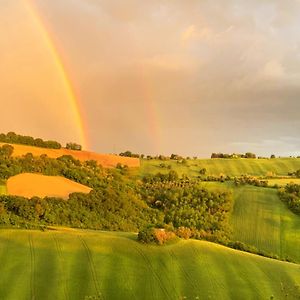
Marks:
<point>259,218</point>
<point>231,167</point>
<point>283,181</point>
<point>75,264</point>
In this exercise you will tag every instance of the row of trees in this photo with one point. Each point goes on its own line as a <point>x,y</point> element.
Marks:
<point>247,179</point>
<point>233,155</point>
<point>130,154</point>
<point>13,138</point>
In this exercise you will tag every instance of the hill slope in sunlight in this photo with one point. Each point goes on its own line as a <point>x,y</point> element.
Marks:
<point>106,160</point>
<point>77,264</point>
<point>30,185</point>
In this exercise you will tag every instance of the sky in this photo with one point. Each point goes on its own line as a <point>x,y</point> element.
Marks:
<point>155,77</point>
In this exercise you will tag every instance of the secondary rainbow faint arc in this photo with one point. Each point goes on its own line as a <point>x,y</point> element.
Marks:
<point>74,102</point>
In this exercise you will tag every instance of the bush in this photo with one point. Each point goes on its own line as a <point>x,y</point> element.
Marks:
<point>146,235</point>
<point>151,235</point>
<point>184,232</point>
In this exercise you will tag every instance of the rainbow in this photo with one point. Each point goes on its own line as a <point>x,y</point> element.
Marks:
<point>72,97</point>
<point>151,108</point>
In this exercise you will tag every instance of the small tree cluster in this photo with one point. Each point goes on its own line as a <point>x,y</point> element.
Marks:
<point>130,154</point>
<point>73,146</point>
<point>246,179</point>
<point>153,235</point>
<point>233,155</point>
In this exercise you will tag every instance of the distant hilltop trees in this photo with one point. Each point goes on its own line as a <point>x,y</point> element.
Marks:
<point>74,146</point>
<point>233,155</point>
<point>13,138</point>
<point>130,154</point>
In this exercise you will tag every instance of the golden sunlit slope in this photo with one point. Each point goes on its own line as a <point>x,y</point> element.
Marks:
<point>106,160</point>
<point>30,185</point>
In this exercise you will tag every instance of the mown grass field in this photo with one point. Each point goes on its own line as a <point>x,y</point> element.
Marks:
<point>259,218</point>
<point>231,167</point>
<point>74,264</point>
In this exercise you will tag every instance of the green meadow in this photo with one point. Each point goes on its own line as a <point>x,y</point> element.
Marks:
<point>231,167</point>
<point>65,263</point>
<point>260,219</point>
<point>75,264</point>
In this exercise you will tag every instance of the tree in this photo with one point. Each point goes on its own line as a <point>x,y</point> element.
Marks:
<point>250,155</point>
<point>6,151</point>
<point>74,146</point>
<point>273,156</point>
<point>202,171</point>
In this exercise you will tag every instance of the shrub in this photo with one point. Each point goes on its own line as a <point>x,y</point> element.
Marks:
<point>184,232</point>
<point>151,235</point>
<point>163,236</point>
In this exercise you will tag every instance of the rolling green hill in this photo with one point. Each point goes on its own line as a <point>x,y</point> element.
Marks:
<point>74,264</point>
<point>231,167</point>
<point>259,218</point>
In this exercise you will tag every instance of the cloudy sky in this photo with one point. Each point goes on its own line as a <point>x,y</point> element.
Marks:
<point>190,77</point>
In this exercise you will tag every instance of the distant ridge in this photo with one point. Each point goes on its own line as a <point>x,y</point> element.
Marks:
<point>106,160</point>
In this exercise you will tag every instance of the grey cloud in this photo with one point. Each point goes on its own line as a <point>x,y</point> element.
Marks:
<point>216,71</point>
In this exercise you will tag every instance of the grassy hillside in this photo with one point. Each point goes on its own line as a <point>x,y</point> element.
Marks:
<point>231,167</point>
<point>106,160</point>
<point>259,218</point>
<point>30,185</point>
<point>76,264</point>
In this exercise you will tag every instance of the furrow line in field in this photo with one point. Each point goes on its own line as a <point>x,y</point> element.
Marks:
<point>187,276</point>
<point>61,263</point>
<point>32,267</point>
<point>92,266</point>
<point>215,283</point>
<point>154,272</point>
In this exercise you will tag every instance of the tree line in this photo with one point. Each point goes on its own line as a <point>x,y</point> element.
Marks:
<point>233,155</point>
<point>13,138</point>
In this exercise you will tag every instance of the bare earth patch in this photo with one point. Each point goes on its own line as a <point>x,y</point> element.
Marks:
<point>29,185</point>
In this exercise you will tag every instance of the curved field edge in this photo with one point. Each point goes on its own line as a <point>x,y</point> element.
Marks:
<point>30,184</point>
<point>230,167</point>
<point>79,264</point>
